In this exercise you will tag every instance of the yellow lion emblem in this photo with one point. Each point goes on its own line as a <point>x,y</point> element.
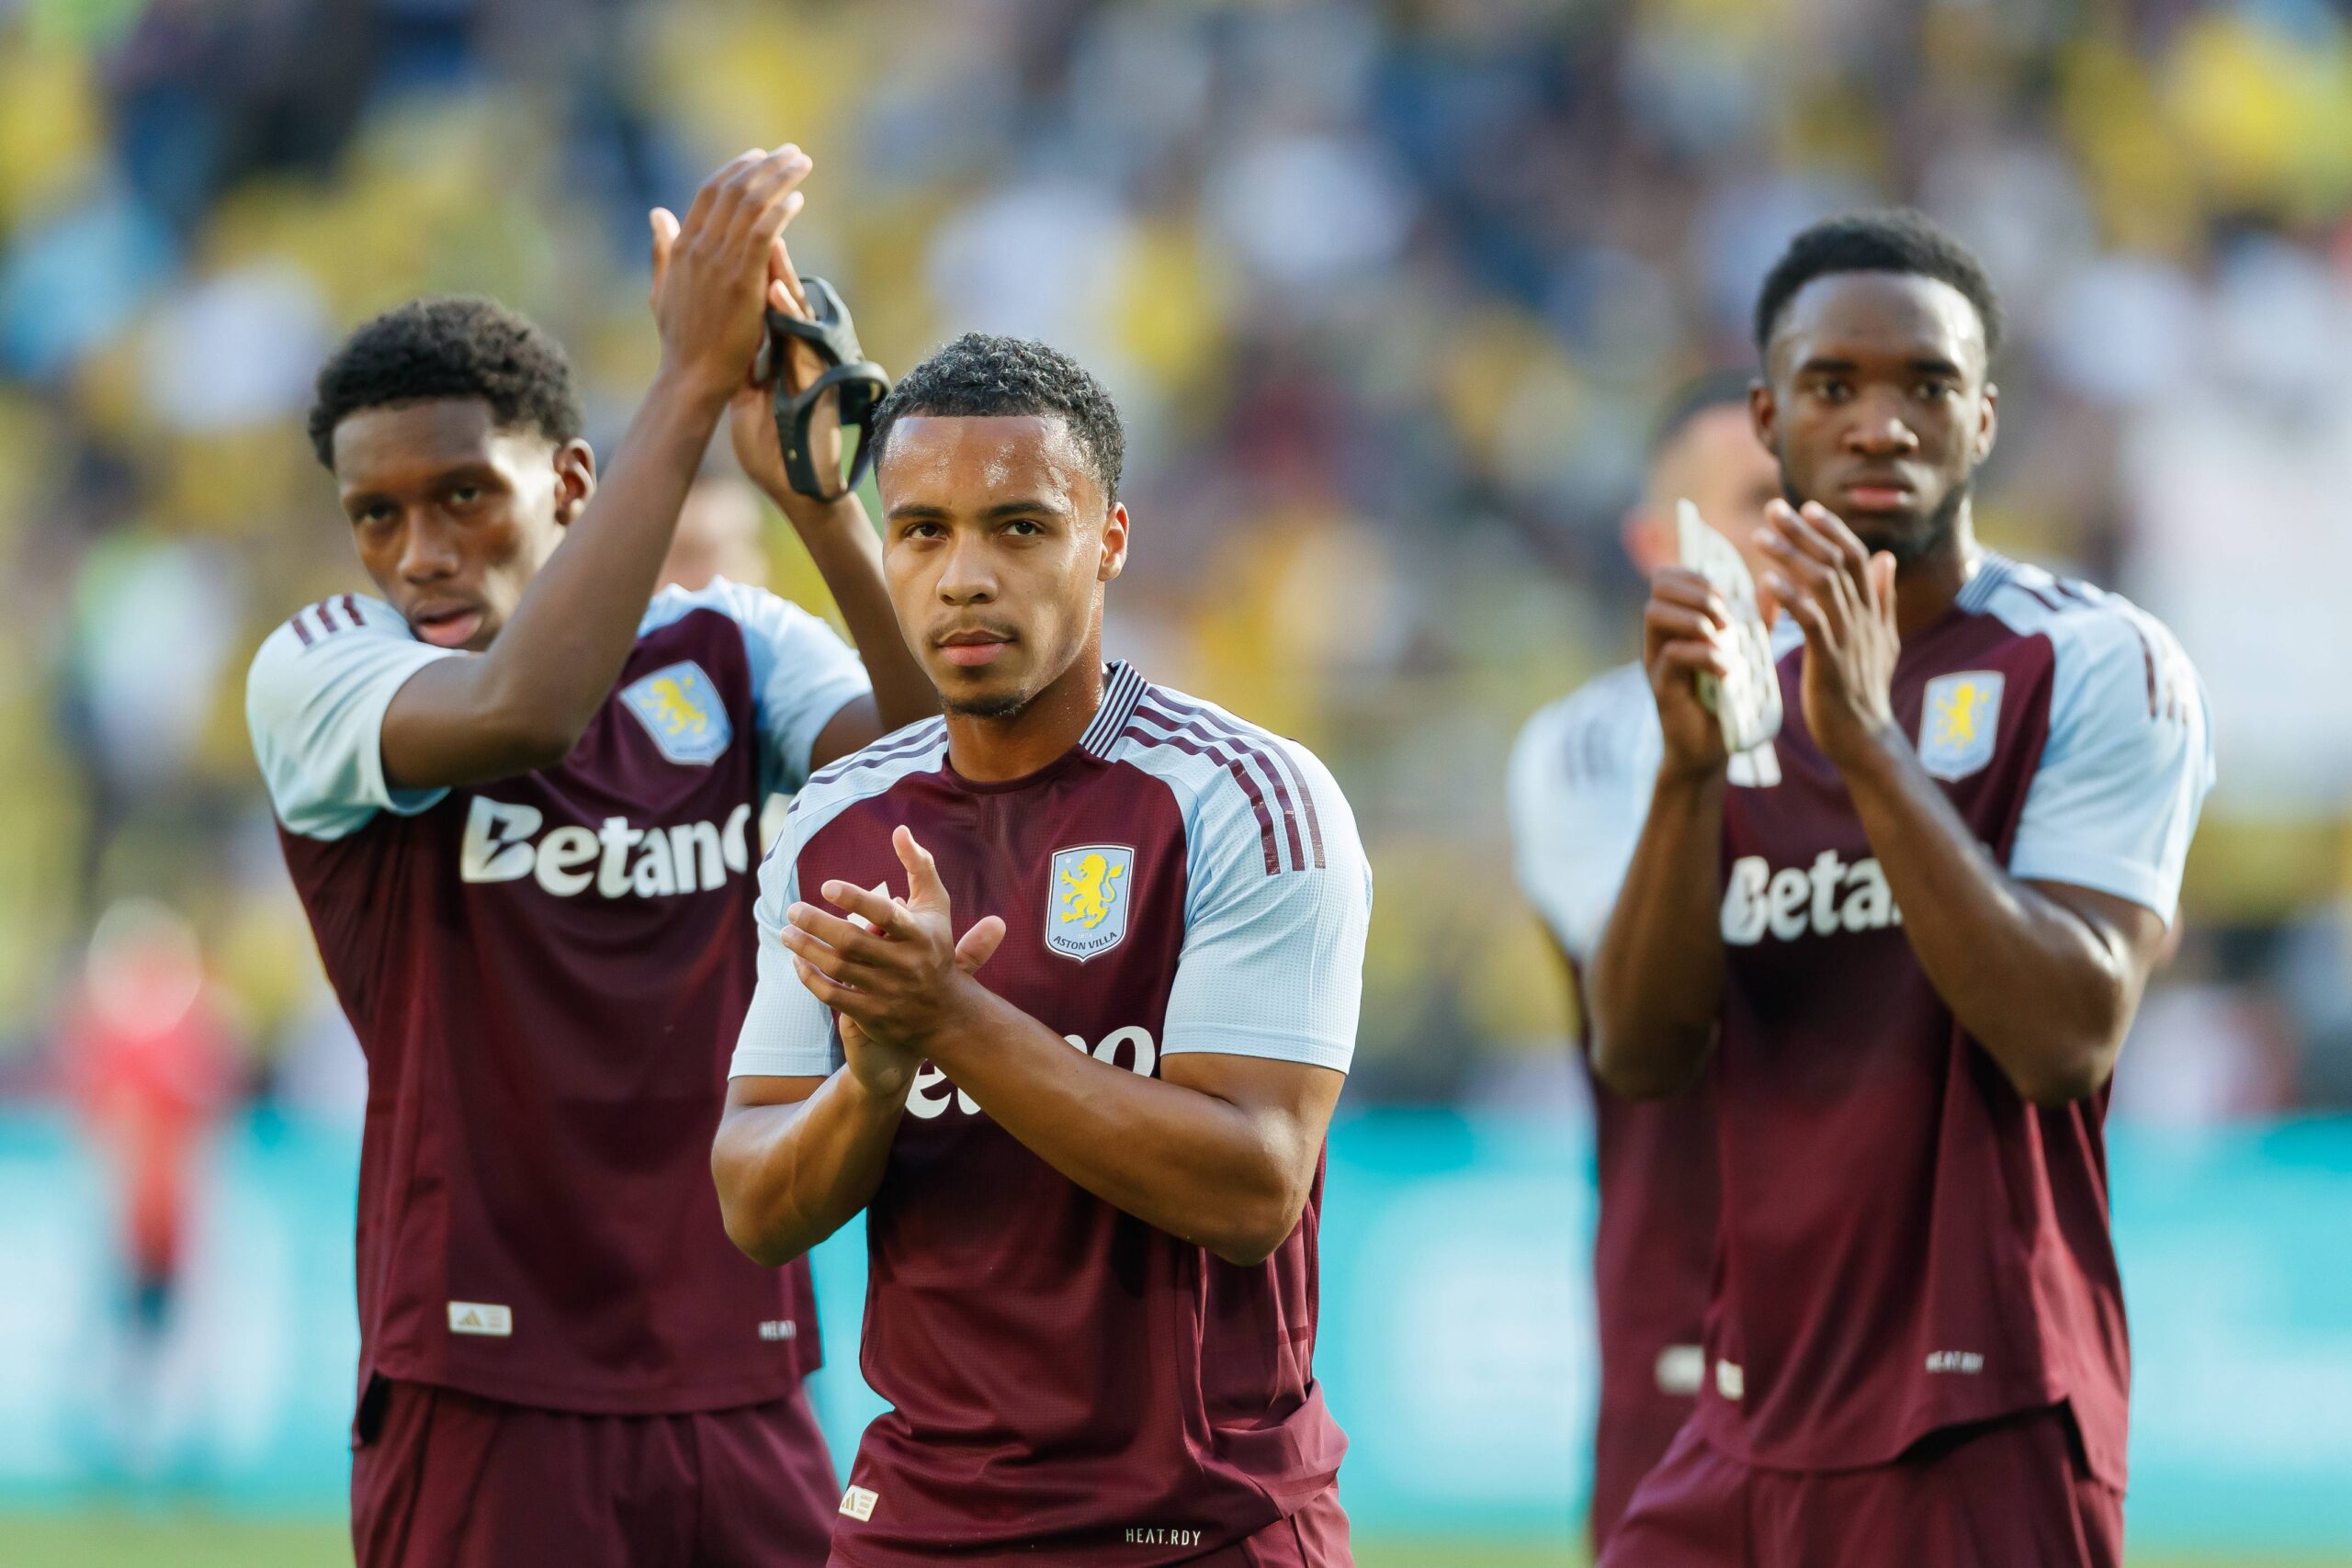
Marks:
<point>1086,892</point>
<point>1956,715</point>
<point>675,709</point>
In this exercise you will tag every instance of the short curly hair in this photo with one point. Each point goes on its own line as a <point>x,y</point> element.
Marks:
<point>980,376</point>
<point>448,348</point>
<point>1892,239</point>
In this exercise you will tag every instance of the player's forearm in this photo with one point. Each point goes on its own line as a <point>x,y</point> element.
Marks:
<point>1658,977</point>
<point>2045,995</point>
<point>848,555</point>
<point>1205,1169</point>
<point>525,704</point>
<point>790,1176</point>
<point>560,654</point>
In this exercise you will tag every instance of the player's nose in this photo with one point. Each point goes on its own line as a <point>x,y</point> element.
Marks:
<point>427,551</point>
<point>968,577</point>
<point>1879,427</point>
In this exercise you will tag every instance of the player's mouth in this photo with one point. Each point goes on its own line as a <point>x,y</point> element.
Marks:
<point>973,646</point>
<point>444,625</point>
<point>1875,492</point>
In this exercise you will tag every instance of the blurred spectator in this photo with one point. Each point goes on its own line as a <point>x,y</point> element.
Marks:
<point>147,1061</point>
<point>718,535</point>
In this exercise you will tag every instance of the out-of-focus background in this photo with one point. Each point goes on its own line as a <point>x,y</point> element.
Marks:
<point>1389,294</point>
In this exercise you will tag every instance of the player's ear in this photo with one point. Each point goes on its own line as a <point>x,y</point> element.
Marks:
<point>575,479</point>
<point>1988,422</point>
<point>1114,543</point>
<point>1764,415</point>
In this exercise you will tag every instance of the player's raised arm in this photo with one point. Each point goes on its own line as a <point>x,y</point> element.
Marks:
<point>524,703</point>
<point>839,538</point>
<point>1657,977</point>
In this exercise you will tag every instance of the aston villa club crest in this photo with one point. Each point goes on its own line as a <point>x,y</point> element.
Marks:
<point>680,708</point>
<point>1086,900</point>
<point>1958,721</point>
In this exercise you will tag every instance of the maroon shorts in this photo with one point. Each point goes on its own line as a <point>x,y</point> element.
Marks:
<point>1314,1537</point>
<point>2007,1494</point>
<point>441,1479</point>
<point>1628,1442</point>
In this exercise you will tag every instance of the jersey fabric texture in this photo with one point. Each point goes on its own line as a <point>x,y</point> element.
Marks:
<point>1908,1243</point>
<point>1580,780</point>
<point>544,973</point>
<point>1068,1383</point>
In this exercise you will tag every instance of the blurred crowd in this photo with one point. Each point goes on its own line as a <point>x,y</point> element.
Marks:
<point>1388,293</point>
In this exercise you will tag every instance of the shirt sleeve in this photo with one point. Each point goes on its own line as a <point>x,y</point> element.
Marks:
<point>787,1033</point>
<point>1579,792</point>
<point>1273,962</point>
<point>314,705</point>
<point>2125,770</point>
<point>802,674</point>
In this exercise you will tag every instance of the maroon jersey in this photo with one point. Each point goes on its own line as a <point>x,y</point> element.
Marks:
<point>1906,1243</point>
<point>543,972</point>
<point>1067,1382</point>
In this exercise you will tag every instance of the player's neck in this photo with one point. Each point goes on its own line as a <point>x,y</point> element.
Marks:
<point>991,751</point>
<point>1927,588</point>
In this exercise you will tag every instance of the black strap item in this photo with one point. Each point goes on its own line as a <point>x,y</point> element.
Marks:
<point>860,384</point>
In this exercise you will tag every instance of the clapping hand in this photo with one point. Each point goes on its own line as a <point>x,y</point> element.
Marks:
<point>1842,596</point>
<point>892,970</point>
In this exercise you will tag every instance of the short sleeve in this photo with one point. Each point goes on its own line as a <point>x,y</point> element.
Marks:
<point>1272,961</point>
<point>802,674</point>
<point>787,1033</point>
<point>1580,788</point>
<point>315,699</point>
<point>2125,770</point>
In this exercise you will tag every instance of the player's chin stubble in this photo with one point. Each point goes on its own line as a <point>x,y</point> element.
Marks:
<point>1909,541</point>
<point>1002,707</point>
<point>1930,535</point>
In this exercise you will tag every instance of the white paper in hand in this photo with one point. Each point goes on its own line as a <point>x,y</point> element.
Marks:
<point>1747,704</point>
<point>880,890</point>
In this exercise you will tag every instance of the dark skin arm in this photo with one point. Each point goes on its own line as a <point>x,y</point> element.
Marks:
<point>525,702</point>
<point>842,543</point>
<point>1657,978</point>
<point>2046,977</point>
<point>1219,1151</point>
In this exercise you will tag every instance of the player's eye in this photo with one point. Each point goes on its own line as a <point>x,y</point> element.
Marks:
<point>922,531</point>
<point>1836,391</point>
<point>465,496</point>
<point>1024,527</point>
